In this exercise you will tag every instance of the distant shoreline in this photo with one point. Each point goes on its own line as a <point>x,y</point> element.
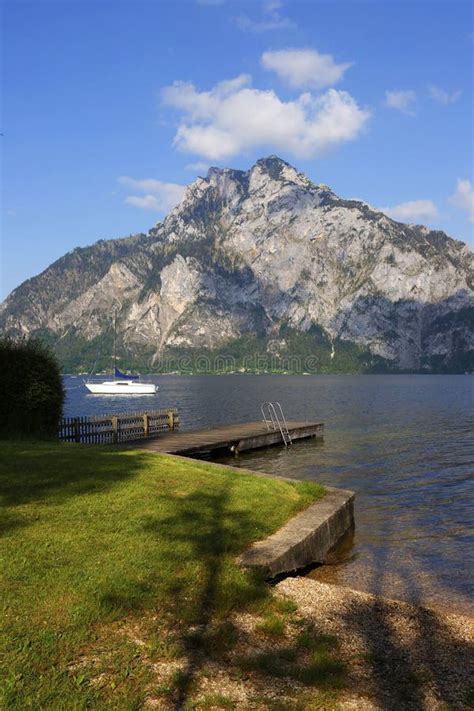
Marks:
<point>266,372</point>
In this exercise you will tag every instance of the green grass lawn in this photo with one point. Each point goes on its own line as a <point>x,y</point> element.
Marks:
<point>94,539</point>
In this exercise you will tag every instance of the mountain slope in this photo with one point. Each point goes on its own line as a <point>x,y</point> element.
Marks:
<point>259,253</point>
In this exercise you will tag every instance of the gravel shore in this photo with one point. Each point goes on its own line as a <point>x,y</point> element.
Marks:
<point>338,650</point>
<point>399,656</point>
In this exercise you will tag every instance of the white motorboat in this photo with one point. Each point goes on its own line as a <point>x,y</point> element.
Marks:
<point>122,384</point>
<point>121,387</point>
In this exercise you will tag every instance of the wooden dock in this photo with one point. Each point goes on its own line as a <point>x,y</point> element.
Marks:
<point>227,438</point>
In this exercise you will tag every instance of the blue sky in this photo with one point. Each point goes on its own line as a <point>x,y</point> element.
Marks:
<point>109,108</point>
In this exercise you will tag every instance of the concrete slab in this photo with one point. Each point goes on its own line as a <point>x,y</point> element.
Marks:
<point>306,538</point>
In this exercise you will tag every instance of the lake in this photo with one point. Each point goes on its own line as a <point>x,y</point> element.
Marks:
<point>403,443</point>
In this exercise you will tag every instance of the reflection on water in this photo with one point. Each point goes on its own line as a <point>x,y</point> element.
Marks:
<point>403,443</point>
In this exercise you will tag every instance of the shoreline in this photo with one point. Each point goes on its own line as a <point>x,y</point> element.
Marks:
<point>398,655</point>
<point>435,607</point>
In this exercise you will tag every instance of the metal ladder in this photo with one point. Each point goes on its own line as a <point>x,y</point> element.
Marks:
<point>275,420</point>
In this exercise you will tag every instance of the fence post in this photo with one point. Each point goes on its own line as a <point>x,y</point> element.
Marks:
<point>115,429</point>
<point>145,425</point>
<point>171,419</point>
<point>77,430</point>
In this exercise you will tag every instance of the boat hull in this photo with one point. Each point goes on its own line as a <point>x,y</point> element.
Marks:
<point>130,387</point>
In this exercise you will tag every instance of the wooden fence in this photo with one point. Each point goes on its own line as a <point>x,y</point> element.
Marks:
<point>121,427</point>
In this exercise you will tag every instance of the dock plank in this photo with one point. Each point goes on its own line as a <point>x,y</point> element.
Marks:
<point>235,438</point>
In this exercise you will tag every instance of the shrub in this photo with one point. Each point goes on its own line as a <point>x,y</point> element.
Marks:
<point>31,389</point>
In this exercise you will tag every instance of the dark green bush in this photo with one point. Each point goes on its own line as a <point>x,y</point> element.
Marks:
<point>31,389</point>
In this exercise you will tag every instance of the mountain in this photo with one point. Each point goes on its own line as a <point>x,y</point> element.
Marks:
<point>267,261</point>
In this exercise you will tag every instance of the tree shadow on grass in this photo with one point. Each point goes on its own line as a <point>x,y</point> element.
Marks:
<point>208,533</point>
<point>207,586</point>
<point>51,473</point>
<point>311,658</point>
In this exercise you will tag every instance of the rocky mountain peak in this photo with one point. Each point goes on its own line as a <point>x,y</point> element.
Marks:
<point>274,166</point>
<point>278,170</point>
<point>265,172</point>
<point>251,253</point>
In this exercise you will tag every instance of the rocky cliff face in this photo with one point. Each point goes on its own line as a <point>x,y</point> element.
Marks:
<point>254,252</point>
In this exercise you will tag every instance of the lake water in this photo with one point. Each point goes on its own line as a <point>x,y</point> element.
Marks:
<point>403,443</point>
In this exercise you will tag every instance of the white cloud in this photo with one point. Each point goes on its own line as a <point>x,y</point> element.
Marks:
<point>271,19</point>
<point>402,100</point>
<point>463,197</point>
<point>305,67</point>
<point>233,117</point>
<point>443,97</point>
<point>147,202</point>
<point>202,105</point>
<point>412,211</point>
<point>199,167</point>
<point>158,196</point>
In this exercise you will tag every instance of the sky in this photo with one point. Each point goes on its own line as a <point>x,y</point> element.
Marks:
<point>109,108</point>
